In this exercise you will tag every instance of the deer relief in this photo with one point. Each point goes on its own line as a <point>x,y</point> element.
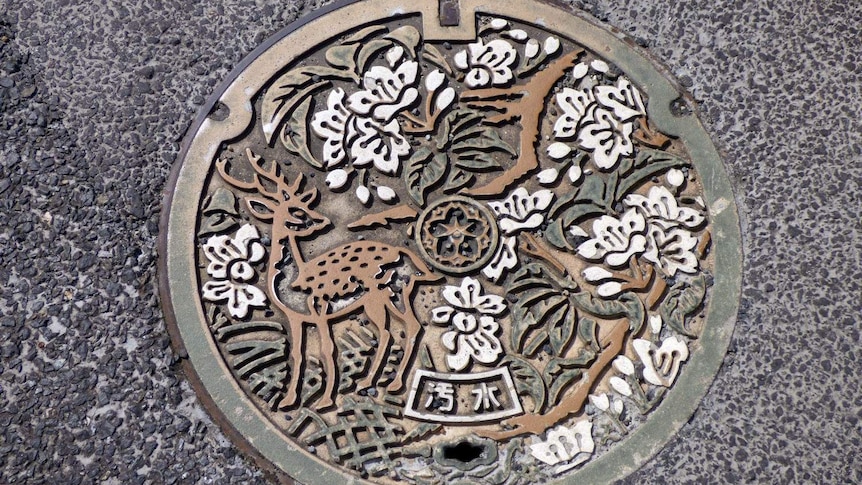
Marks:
<point>362,272</point>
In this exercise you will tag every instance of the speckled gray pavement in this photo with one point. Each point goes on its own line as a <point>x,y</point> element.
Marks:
<point>95,97</point>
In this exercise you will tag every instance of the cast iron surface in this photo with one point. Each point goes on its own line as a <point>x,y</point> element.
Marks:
<point>585,275</point>
<point>96,98</point>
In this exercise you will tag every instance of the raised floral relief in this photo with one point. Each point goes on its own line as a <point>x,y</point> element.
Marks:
<point>455,245</point>
<point>474,336</point>
<point>487,64</point>
<point>233,276</point>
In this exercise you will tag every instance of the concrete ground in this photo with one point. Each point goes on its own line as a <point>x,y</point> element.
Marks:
<point>95,97</point>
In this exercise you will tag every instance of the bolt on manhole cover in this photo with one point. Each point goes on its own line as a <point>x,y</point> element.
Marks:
<point>472,242</point>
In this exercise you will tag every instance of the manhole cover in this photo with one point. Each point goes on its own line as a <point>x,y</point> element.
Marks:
<point>462,242</point>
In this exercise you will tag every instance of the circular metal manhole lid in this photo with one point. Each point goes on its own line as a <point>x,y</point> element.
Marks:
<point>450,243</point>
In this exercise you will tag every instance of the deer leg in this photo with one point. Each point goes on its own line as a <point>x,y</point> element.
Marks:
<point>379,316</point>
<point>297,336</point>
<point>327,355</point>
<point>412,335</point>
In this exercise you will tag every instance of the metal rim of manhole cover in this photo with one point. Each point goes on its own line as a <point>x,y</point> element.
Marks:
<point>476,242</point>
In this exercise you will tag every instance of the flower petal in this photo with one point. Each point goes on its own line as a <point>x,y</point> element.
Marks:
<point>461,60</point>
<point>620,386</point>
<point>601,401</point>
<point>596,273</point>
<point>461,358</point>
<point>442,314</point>
<point>611,288</point>
<point>552,45</point>
<point>217,291</point>
<point>448,340</point>
<point>624,365</point>
<point>558,150</point>
<point>444,99</point>
<point>465,323</point>
<point>337,179</point>
<point>504,259</point>
<point>531,49</point>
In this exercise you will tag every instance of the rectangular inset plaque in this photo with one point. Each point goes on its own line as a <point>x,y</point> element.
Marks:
<point>462,398</point>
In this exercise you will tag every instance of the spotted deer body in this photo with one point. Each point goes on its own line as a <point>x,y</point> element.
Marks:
<point>360,272</point>
<point>347,269</point>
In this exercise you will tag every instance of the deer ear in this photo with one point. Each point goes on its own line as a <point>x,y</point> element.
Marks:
<point>261,209</point>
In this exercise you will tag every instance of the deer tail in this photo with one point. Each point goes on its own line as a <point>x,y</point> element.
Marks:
<point>424,273</point>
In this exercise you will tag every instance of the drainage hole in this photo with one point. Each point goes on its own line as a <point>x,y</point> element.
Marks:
<point>464,452</point>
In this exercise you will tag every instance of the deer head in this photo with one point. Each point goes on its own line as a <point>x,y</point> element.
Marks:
<point>276,201</point>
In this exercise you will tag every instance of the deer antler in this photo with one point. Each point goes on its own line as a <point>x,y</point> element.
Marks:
<point>261,177</point>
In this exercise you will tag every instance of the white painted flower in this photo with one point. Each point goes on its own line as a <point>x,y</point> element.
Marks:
<point>522,210</point>
<point>230,266</point>
<point>661,208</point>
<point>616,240</point>
<point>599,65</point>
<point>487,64</point>
<point>610,288</point>
<point>472,340</point>
<point>385,92</point>
<point>661,364</point>
<point>670,243</point>
<point>580,70</point>
<point>363,194</point>
<point>559,150</point>
<point>606,136</point>
<point>565,447</point>
<point>573,103</point>
<point>599,118</point>
<point>386,194</point>
<point>361,128</point>
<point>654,227</point>
<point>575,173</point>
<point>517,34</point>
<point>468,296</point>
<point>499,24</point>
<point>474,333</point>
<point>434,80</point>
<point>606,403</point>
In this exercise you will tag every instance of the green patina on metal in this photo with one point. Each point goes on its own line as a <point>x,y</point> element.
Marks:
<point>291,425</point>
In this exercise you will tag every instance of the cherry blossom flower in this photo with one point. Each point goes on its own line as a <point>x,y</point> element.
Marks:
<point>473,337</point>
<point>520,211</point>
<point>230,266</point>
<point>660,207</point>
<point>654,227</point>
<point>362,128</point>
<point>565,447</point>
<point>661,364</point>
<point>670,242</point>
<point>616,240</point>
<point>600,119</point>
<point>487,64</point>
